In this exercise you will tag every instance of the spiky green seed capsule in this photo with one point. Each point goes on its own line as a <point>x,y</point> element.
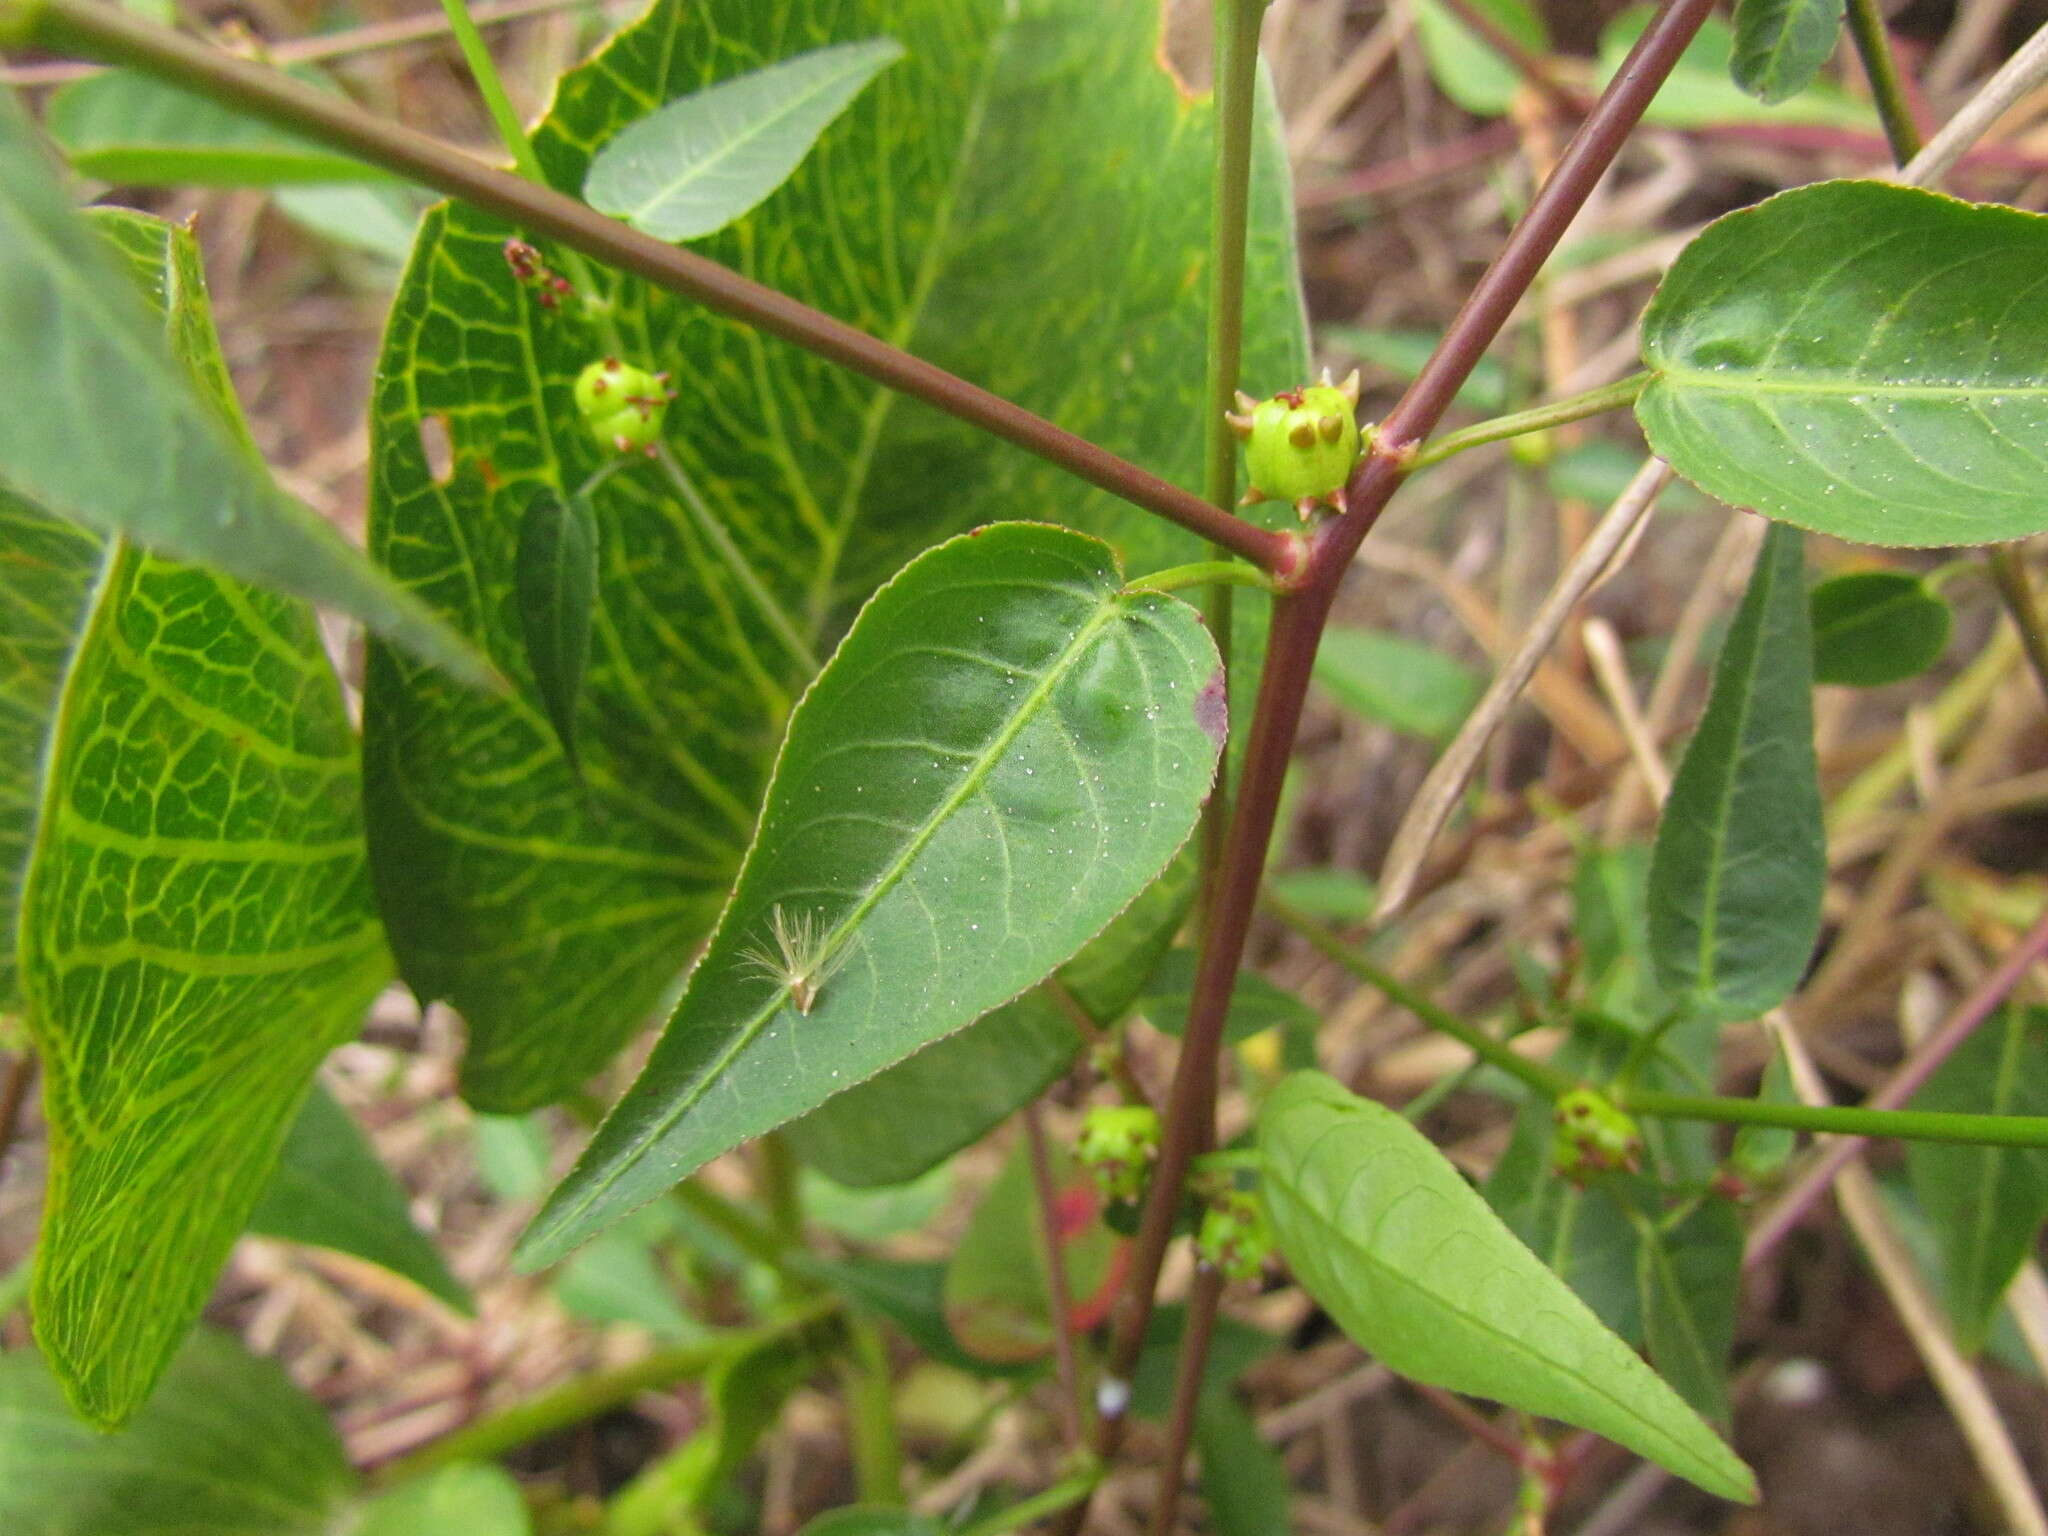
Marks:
<point>1302,444</point>
<point>623,404</point>
<point>1117,1145</point>
<point>1593,1137</point>
<point>1235,1236</point>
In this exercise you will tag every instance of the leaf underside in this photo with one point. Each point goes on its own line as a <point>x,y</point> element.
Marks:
<point>1861,359</point>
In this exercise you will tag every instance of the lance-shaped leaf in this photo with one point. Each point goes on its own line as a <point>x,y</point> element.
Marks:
<point>973,205</point>
<point>1411,1262</point>
<point>108,430</point>
<point>196,927</point>
<point>134,129</point>
<point>1862,359</point>
<point>1985,1204</point>
<point>1740,859</point>
<point>1780,45</point>
<point>229,1445</point>
<point>691,167</point>
<point>330,1189</point>
<point>556,579</point>
<point>1690,1278</point>
<point>1004,751</point>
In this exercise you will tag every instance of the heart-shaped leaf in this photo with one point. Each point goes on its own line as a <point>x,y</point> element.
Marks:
<point>1005,750</point>
<point>946,211</point>
<point>1860,359</point>
<point>1410,1261</point>
<point>196,928</point>
<point>691,167</point>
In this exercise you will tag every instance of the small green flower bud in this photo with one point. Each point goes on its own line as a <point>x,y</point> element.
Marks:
<point>624,405</point>
<point>1235,1236</point>
<point>1117,1146</point>
<point>1302,444</point>
<point>1593,1137</point>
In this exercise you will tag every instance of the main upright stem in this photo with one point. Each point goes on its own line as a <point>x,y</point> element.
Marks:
<point>1297,625</point>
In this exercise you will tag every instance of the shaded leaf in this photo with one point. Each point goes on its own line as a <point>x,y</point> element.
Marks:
<point>376,219</point>
<point>51,568</point>
<point>555,578</point>
<point>1761,1151</point>
<point>196,929</point>
<point>1780,45</point>
<point>871,1522</point>
<point>1740,859</point>
<point>1702,89</point>
<point>1985,1204</point>
<point>1466,66</point>
<point>918,1113</point>
<point>1691,1277</point>
<point>1854,357</point>
<point>1396,681</point>
<point>1234,1348</point>
<point>691,167</point>
<point>1243,1478</point>
<point>1256,1004</point>
<point>619,1279</point>
<point>910,1295</point>
<point>331,1189</point>
<point>1876,627</point>
<point>131,128</point>
<point>1609,919</point>
<point>1401,354</point>
<point>997,1300</point>
<point>1005,750</point>
<point>462,1500</point>
<point>168,471</point>
<point>875,1215</point>
<point>1340,896</point>
<point>940,214</point>
<point>189,1463</point>
<point>1389,1238</point>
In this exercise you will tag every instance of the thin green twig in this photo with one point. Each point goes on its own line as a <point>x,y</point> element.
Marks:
<point>483,69</point>
<point>1555,413</point>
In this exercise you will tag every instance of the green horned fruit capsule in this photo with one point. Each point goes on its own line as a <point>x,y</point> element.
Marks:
<point>1117,1146</point>
<point>1593,1137</point>
<point>624,405</point>
<point>1302,444</point>
<point>1235,1236</point>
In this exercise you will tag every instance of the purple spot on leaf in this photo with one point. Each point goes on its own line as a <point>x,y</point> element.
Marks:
<point>1212,708</point>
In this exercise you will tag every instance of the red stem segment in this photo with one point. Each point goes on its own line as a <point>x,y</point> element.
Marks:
<point>99,31</point>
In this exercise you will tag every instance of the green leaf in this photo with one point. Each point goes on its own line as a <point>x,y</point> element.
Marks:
<point>1852,357</point>
<point>1243,1478</point>
<point>1396,681</point>
<point>1780,45</point>
<point>136,130</point>
<point>1108,974</point>
<point>997,1300</point>
<point>1469,69</point>
<point>1005,750</point>
<point>555,579</point>
<point>1389,1238</point>
<point>1876,627</point>
<point>912,1297</point>
<point>165,468</point>
<point>1255,1005</point>
<point>1985,1204</point>
<point>462,1500</point>
<point>51,568</point>
<point>1691,1278</point>
<point>1740,858</point>
<point>196,929</point>
<point>1609,897</point>
<point>555,918</point>
<point>227,1445</point>
<point>1234,1348</point>
<point>1701,90</point>
<point>331,1189</point>
<point>1401,354</point>
<point>376,219</point>
<point>691,167</point>
<point>1339,896</point>
<point>918,1113</point>
<point>876,1215</point>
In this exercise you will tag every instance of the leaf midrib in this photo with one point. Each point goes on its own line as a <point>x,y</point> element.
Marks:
<point>1028,708</point>
<point>1729,381</point>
